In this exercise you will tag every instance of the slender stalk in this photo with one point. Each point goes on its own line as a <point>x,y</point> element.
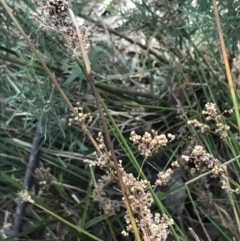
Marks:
<point>231,86</point>
<point>226,63</point>
<point>110,147</point>
<point>89,76</point>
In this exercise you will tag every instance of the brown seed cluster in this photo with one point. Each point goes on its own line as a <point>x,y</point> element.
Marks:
<point>212,114</point>
<point>80,117</point>
<point>149,143</point>
<point>44,177</point>
<point>205,162</point>
<point>58,9</point>
<point>151,226</point>
<point>103,158</point>
<point>164,177</point>
<point>56,18</point>
<point>25,196</point>
<point>203,127</point>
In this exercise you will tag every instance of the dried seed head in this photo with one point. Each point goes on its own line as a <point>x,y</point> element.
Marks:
<point>80,117</point>
<point>56,18</point>
<point>212,114</point>
<point>149,144</point>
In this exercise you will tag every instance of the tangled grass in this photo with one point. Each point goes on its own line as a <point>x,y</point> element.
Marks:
<point>108,150</point>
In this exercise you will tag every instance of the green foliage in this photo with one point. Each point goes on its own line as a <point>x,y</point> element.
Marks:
<point>159,80</point>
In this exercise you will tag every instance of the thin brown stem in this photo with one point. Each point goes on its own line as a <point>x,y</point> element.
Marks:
<point>89,76</point>
<point>227,67</point>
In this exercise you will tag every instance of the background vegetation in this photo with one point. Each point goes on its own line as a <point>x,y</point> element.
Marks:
<point>156,64</point>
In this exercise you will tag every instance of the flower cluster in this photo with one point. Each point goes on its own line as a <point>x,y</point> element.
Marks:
<point>164,177</point>
<point>80,117</point>
<point>153,227</point>
<point>149,143</point>
<point>44,177</point>
<point>197,124</point>
<point>226,186</point>
<point>103,158</point>
<point>25,196</point>
<point>211,114</point>
<point>204,161</point>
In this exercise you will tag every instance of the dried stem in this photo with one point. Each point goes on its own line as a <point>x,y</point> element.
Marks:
<point>227,67</point>
<point>90,79</point>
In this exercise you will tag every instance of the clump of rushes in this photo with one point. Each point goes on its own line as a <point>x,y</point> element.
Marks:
<point>151,226</point>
